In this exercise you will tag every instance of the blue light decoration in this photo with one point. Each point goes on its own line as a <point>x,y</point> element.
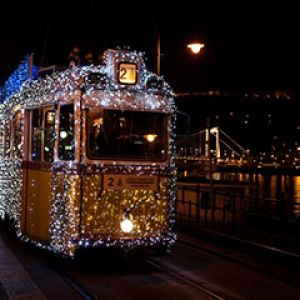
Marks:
<point>17,78</point>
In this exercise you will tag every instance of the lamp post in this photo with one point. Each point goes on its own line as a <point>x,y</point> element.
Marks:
<point>194,47</point>
<point>158,54</point>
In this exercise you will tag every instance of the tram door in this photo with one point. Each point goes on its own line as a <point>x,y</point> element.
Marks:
<point>40,151</point>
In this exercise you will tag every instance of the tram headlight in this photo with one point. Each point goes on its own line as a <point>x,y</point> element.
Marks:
<point>63,134</point>
<point>126,226</point>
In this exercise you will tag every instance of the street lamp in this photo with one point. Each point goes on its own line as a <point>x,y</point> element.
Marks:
<point>195,47</point>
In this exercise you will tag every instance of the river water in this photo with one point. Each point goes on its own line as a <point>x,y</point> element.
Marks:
<point>269,186</point>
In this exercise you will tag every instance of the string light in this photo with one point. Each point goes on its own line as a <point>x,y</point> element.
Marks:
<point>74,224</point>
<point>17,78</point>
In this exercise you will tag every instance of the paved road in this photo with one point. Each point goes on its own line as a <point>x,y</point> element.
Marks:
<point>193,270</point>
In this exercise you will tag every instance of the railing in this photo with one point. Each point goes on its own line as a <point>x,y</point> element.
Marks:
<point>239,212</point>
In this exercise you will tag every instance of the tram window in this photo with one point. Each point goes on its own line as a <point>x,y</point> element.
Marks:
<point>66,149</point>
<point>126,134</point>
<point>17,135</point>
<point>49,135</point>
<point>36,138</point>
<point>42,138</point>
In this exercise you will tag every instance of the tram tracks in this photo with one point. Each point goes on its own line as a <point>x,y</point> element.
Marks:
<point>78,285</point>
<point>83,293</point>
<point>104,276</point>
<point>258,264</point>
<point>177,275</point>
<point>164,268</point>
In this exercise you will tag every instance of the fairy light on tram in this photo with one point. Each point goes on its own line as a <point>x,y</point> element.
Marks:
<point>87,156</point>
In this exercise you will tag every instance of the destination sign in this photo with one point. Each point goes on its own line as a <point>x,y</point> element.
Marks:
<point>130,182</point>
<point>127,73</point>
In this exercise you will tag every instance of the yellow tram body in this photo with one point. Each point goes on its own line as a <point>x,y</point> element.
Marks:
<point>87,156</point>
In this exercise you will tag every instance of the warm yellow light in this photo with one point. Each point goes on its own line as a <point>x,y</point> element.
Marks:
<point>50,117</point>
<point>127,73</point>
<point>97,122</point>
<point>150,137</point>
<point>196,47</point>
<point>126,226</point>
<point>16,108</point>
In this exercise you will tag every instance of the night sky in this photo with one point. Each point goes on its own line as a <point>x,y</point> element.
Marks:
<point>248,47</point>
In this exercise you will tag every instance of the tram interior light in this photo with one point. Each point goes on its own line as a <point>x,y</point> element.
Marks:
<point>150,137</point>
<point>98,122</point>
<point>50,117</point>
<point>126,226</point>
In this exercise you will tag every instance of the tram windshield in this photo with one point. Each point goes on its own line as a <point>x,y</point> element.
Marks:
<point>126,134</point>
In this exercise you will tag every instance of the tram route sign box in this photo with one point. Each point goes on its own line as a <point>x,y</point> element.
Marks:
<point>127,73</point>
<point>130,182</point>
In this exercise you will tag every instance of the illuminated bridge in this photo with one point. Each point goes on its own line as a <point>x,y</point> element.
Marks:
<point>213,145</point>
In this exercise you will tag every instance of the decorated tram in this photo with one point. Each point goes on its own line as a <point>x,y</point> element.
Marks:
<point>87,155</point>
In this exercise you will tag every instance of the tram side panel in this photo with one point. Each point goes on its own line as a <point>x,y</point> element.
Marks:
<point>37,174</point>
<point>38,198</point>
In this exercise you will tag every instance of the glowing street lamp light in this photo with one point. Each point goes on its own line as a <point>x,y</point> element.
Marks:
<point>196,47</point>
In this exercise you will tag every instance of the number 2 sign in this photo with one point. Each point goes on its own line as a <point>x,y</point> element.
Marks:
<point>127,73</point>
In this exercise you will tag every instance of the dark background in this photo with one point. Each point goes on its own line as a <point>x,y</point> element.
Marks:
<point>248,46</point>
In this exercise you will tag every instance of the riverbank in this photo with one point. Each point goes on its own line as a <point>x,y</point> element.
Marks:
<point>270,170</point>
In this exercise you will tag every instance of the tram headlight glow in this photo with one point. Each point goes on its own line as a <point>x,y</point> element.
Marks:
<point>63,134</point>
<point>126,226</point>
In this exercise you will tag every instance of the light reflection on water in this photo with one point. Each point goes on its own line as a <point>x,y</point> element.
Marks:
<point>274,187</point>
<point>268,186</point>
<point>296,182</point>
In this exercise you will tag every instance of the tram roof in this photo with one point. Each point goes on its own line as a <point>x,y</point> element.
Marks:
<point>96,77</point>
